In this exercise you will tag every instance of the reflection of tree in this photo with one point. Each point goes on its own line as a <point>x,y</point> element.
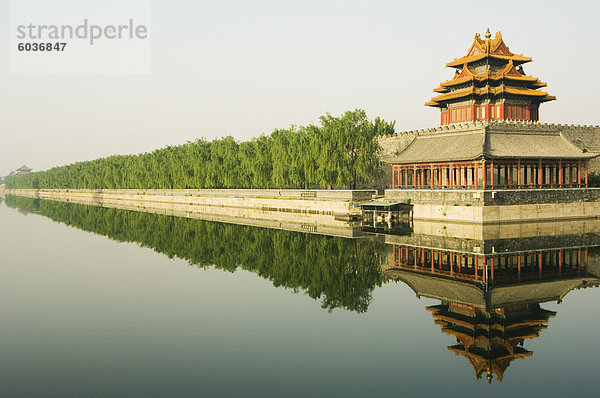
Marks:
<point>340,272</point>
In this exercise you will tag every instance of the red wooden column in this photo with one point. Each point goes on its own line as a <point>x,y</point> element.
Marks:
<point>560,174</point>
<point>492,174</point>
<point>484,269</point>
<point>579,174</point>
<point>586,174</point>
<point>519,173</point>
<point>414,252</point>
<point>403,177</point>
<point>399,176</point>
<point>570,166</point>
<point>394,187</point>
<point>484,170</point>
<point>417,178</point>
<point>450,176</point>
<point>414,180</point>
<point>559,262</point>
<point>431,182</point>
<point>540,176</point>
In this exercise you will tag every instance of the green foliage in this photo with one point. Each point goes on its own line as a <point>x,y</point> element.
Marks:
<point>341,272</point>
<point>340,152</point>
<point>594,180</point>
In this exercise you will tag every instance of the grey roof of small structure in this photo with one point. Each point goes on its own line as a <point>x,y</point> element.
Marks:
<point>484,143</point>
<point>469,294</point>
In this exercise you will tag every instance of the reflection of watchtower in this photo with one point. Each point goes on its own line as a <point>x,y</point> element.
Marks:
<point>493,267</point>
<point>490,300</point>
<point>491,340</point>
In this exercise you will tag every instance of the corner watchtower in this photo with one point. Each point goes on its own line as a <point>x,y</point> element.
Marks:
<point>489,83</point>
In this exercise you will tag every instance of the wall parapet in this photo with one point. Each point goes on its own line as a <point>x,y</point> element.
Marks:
<point>505,197</point>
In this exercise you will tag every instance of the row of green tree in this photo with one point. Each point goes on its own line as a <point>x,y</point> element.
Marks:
<point>342,273</point>
<point>338,152</point>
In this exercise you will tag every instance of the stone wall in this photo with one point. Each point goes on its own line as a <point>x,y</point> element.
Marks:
<point>501,205</point>
<point>394,144</point>
<point>335,195</point>
<point>467,197</point>
<point>289,201</point>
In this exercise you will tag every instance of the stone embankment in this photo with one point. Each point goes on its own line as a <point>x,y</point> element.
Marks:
<point>332,202</point>
<point>497,206</point>
<point>315,211</point>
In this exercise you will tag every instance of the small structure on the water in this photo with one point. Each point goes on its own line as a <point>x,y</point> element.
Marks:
<point>21,170</point>
<point>388,217</point>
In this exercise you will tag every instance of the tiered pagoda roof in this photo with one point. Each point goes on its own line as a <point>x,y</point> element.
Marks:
<point>490,74</point>
<point>503,73</point>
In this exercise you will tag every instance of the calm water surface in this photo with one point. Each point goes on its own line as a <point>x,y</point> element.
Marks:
<point>106,302</point>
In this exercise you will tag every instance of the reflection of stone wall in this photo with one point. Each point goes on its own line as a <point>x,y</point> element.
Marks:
<point>497,246</point>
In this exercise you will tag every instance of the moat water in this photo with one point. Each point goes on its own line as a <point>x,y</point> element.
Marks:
<point>106,302</point>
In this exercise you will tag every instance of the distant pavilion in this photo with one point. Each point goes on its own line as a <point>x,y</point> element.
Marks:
<point>489,138</point>
<point>21,170</point>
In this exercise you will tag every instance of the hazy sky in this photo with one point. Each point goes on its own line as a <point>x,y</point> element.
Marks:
<point>242,68</point>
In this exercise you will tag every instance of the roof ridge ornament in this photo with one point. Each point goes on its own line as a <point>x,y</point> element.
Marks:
<point>488,35</point>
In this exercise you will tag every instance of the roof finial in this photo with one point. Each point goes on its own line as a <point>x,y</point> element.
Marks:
<point>488,35</point>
